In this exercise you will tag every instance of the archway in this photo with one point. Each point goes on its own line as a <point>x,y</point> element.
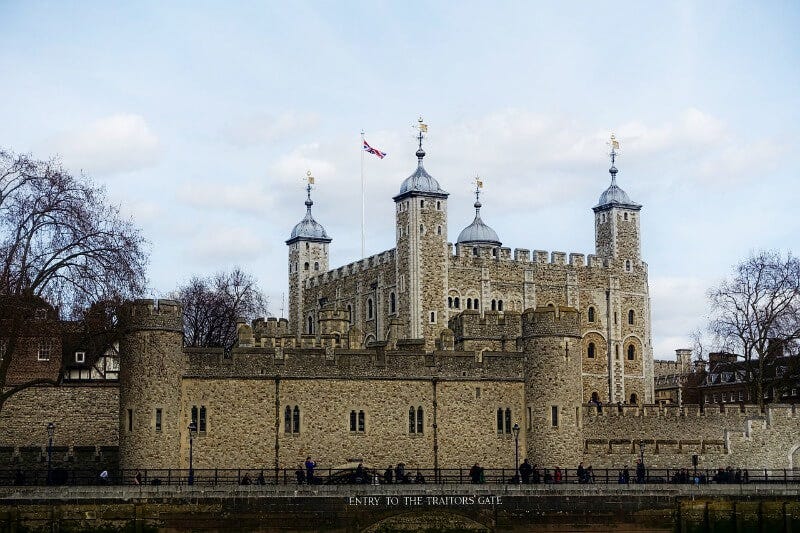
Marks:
<point>794,457</point>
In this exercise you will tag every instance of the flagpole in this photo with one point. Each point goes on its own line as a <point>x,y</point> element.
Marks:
<point>363,187</point>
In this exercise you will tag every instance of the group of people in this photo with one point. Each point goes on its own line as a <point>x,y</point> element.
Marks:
<point>533,474</point>
<point>398,474</point>
<point>305,473</point>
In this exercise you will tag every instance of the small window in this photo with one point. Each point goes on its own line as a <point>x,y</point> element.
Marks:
<point>370,310</point>
<point>469,303</point>
<point>508,420</point>
<point>625,216</point>
<point>80,357</point>
<point>412,420</point>
<point>499,305</point>
<point>45,347</point>
<point>499,420</point>
<point>477,392</point>
<point>308,246</point>
<point>158,419</point>
<point>590,351</point>
<point>475,251</point>
<point>439,206</point>
<point>305,265</point>
<point>350,313</point>
<point>630,317</point>
<point>590,314</point>
<point>422,203</point>
<point>476,304</point>
<point>316,265</point>
<point>634,399</point>
<point>494,252</point>
<point>361,422</point>
<point>456,303</point>
<point>631,352</point>
<point>287,420</point>
<point>615,318</point>
<point>296,419</point>
<point>554,415</point>
<point>433,317</point>
<point>450,301</point>
<point>194,415</point>
<point>310,324</point>
<point>438,230</point>
<point>353,425</point>
<point>392,303</point>
<point>494,305</point>
<point>421,229</point>
<point>130,420</point>
<point>628,265</point>
<point>202,426</point>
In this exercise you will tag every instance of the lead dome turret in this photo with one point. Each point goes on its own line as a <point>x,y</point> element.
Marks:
<point>478,232</point>
<point>308,229</point>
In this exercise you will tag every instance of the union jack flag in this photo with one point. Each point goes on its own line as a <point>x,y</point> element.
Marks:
<point>373,151</point>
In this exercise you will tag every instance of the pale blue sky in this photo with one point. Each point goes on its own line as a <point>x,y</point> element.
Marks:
<point>202,117</point>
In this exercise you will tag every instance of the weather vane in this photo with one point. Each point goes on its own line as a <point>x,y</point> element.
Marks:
<point>478,187</point>
<point>423,128</point>
<point>614,144</point>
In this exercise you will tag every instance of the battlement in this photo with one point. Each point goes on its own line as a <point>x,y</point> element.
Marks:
<point>524,256</point>
<point>362,265</point>
<point>559,321</point>
<point>337,363</point>
<point>152,314</point>
<point>709,411</point>
<point>470,323</point>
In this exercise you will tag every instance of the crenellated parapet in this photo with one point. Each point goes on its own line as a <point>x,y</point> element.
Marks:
<point>150,314</point>
<point>551,322</point>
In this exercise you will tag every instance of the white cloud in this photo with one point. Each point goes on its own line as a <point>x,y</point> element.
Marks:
<point>260,127</point>
<point>249,197</point>
<point>110,145</point>
<point>226,246</point>
<point>678,307</point>
<point>292,167</point>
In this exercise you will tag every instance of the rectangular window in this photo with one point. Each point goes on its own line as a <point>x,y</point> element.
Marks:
<point>202,426</point>
<point>554,415</point>
<point>194,416</point>
<point>508,420</point>
<point>353,421</point>
<point>361,425</point>
<point>158,419</point>
<point>477,392</point>
<point>80,357</point>
<point>45,347</point>
<point>130,420</point>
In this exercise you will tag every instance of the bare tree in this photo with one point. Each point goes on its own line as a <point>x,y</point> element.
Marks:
<point>60,243</point>
<point>755,311</point>
<point>211,307</point>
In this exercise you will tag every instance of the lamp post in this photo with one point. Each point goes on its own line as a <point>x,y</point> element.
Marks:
<point>51,429</point>
<point>192,430</point>
<point>515,429</point>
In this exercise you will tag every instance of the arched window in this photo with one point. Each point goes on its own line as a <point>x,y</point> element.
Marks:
<point>420,419</point>
<point>438,230</point>
<point>499,305</point>
<point>456,303</point>
<point>422,203</point>
<point>350,313</point>
<point>433,317</point>
<point>595,397</point>
<point>316,265</point>
<point>590,351</point>
<point>475,251</point>
<point>476,304</point>
<point>450,301</point>
<point>628,265</point>
<point>296,419</point>
<point>412,421</point>
<point>369,309</point>
<point>287,420</point>
<point>634,399</point>
<point>630,317</point>
<point>625,216</point>
<point>508,420</point>
<point>631,352</point>
<point>308,246</point>
<point>591,314</point>
<point>494,305</point>
<point>439,205</point>
<point>392,303</point>
<point>494,252</point>
<point>305,266</point>
<point>421,229</point>
<point>469,303</point>
<point>310,325</point>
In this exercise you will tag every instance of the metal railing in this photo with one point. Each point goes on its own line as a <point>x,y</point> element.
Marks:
<point>445,476</point>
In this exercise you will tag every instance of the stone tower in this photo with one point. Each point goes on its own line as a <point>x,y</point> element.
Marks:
<point>151,365</point>
<point>308,257</point>
<point>552,344</point>
<point>421,260</point>
<point>616,223</point>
